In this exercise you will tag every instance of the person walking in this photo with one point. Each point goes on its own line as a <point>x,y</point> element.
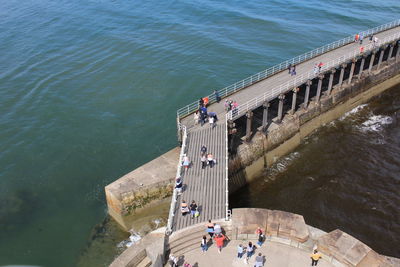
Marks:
<point>226,105</point>
<point>217,97</point>
<point>210,159</point>
<point>211,120</point>
<point>259,261</point>
<point>240,251</point>
<point>201,102</point>
<point>210,229</point>
<point>249,251</point>
<point>260,235</point>
<point>217,229</point>
<point>356,38</point>
<point>173,261</point>
<point>186,162</point>
<point>196,118</point>
<point>203,150</point>
<point>293,72</point>
<point>315,258</point>
<point>193,208</point>
<point>203,161</point>
<point>203,245</point>
<point>316,68</point>
<point>361,38</point>
<point>219,239</point>
<point>290,68</point>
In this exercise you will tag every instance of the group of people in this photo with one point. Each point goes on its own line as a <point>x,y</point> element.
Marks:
<point>230,105</point>
<point>318,67</point>
<point>360,37</point>
<point>202,114</point>
<point>192,209</point>
<point>206,158</point>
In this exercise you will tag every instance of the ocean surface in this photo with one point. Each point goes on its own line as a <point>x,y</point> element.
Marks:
<point>89,91</point>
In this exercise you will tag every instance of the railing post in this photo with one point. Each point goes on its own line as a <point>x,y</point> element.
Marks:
<point>331,75</point>
<point>398,51</point>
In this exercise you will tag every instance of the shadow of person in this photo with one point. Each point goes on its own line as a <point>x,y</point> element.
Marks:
<point>195,264</point>
<point>181,260</point>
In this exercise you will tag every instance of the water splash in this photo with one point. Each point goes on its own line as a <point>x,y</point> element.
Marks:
<point>375,123</point>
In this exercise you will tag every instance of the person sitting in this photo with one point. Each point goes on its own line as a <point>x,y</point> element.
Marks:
<point>184,208</point>
<point>178,185</point>
<point>185,161</point>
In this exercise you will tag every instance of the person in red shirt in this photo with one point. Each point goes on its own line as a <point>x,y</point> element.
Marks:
<point>219,239</point>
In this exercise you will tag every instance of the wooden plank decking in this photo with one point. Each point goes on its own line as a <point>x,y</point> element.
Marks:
<point>205,186</point>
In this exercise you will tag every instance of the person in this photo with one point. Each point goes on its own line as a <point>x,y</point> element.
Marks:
<point>204,244</point>
<point>356,38</point>
<point>217,97</point>
<point>196,118</point>
<point>290,69</point>
<point>315,258</point>
<point>205,101</point>
<point>203,115</point>
<point>361,38</point>
<point>315,68</point>
<point>186,264</point>
<point>227,106</point>
<point>249,250</point>
<point>193,208</point>
<point>184,208</point>
<point>320,66</point>
<point>210,229</point>
<point>211,121</point>
<point>234,108</point>
<point>371,37</point>
<point>210,160</point>
<point>203,150</point>
<point>240,251</point>
<point>178,185</point>
<point>203,161</point>
<point>259,232</point>
<point>219,239</point>
<point>173,261</point>
<point>259,261</point>
<point>201,102</point>
<point>217,229</point>
<point>185,161</point>
<point>293,70</point>
<point>375,41</point>
<point>361,49</point>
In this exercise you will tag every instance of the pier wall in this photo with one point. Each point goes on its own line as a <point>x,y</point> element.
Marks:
<point>265,148</point>
<point>140,188</point>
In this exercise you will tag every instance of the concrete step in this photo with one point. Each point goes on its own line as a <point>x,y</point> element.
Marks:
<point>146,262</point>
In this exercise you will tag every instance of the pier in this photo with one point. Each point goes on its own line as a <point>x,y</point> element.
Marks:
<point>264,99</point>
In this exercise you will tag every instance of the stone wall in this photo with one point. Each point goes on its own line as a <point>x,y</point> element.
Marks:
<point>265,149</point>
<point>148,183</point>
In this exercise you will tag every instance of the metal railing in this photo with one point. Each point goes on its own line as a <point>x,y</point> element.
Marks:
<point>178,174</point>
<point>227,212</point>
<point>224,92</point>
<point>298,80</point>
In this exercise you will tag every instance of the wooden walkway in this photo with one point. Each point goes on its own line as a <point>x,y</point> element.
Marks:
<point>205,186</point>
<point>276,80</point>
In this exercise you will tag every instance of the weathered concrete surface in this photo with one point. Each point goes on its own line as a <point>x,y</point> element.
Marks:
<point>350,251</point>
<point>149,247</point>
<point>152,181</point>
<point>273,222</point>
<point>264,150</point>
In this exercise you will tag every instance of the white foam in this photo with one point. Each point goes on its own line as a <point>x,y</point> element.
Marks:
<point>375,123</point>
<point>353,111</point>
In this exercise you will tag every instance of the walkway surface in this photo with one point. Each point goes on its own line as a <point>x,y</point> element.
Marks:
<point>276,80</point>
<point>276,255</point>
<point>205,186</point>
